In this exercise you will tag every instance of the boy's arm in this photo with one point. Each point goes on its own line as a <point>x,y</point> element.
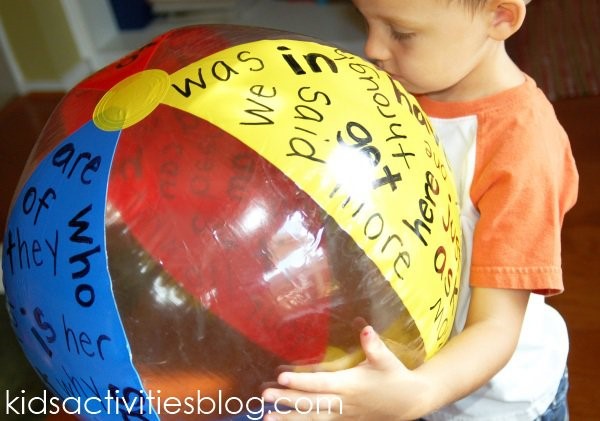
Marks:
<point>485,345</point>
<point>382,388</point>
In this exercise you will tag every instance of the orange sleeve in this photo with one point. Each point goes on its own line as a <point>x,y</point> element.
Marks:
<point>525,181</point>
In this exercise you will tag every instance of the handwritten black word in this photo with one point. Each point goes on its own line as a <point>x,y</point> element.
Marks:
<point>312,59</point>
<point>27,253</point>
<point>30,199</point>
<point>432,188</point>
<point>80,343</point>
<point>372,79</point>
<point>74,385</point>
<point>220,71</point>
<point>84,292</point>
<point>373,228</point>
<point>362,139</point>
<point>440,160</point>
<point>68,161</point>
<point>258,92</point>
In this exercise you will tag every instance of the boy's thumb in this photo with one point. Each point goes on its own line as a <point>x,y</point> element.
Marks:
<point>376,352</point>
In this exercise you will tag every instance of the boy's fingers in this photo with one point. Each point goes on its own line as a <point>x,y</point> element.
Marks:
<point>298,416</point>
<point>321,382</point>
<point>289,404</point>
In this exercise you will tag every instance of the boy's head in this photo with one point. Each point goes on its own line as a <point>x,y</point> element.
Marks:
<point>476,4</point>
<point>437,47</point>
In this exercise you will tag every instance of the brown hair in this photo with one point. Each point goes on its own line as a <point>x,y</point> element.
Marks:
<point>476,4</point>
<point>471,4</point>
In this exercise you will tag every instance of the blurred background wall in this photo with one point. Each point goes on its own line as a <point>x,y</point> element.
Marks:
<point>38,47</point>
<point>8,86</point>
<point>50,45</point>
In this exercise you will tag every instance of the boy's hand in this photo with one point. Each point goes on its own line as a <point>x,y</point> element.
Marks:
<point>371,390</point>
<point>382,388</point>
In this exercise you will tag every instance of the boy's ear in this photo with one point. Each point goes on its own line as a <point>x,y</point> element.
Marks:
<point>507,16</point>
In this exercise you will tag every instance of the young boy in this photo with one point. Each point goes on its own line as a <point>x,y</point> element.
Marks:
<point>516,179</point>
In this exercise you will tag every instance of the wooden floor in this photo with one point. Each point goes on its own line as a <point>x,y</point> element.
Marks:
<point>22,120</point>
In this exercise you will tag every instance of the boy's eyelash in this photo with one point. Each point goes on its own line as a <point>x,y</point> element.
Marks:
<point>402,35</point>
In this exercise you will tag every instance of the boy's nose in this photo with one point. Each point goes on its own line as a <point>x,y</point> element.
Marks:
<point>375,49</point>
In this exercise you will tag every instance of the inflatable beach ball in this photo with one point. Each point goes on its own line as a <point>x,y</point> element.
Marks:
<point>218,204</point>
